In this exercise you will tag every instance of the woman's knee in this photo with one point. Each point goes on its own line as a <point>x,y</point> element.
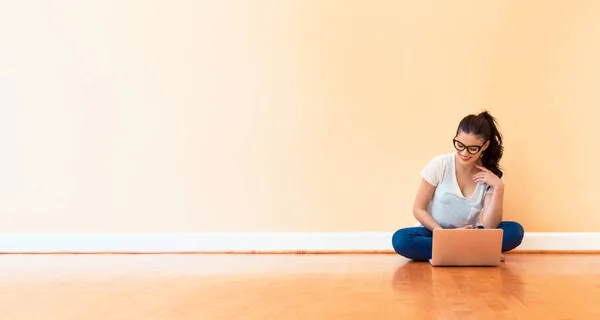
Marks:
<point>401,241</point>
<point>514,228</point>
<point>513,234</point>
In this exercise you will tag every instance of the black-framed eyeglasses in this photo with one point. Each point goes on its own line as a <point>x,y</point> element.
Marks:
<point>470,149</point>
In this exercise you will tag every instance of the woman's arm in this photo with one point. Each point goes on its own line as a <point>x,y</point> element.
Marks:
<point>423,198</point>
<point>493,203</point>
<point>493,208</point>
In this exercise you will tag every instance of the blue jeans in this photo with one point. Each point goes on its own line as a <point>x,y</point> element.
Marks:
<point>416,243</point>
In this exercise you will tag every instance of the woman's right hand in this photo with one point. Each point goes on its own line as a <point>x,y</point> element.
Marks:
<point>467,227</point>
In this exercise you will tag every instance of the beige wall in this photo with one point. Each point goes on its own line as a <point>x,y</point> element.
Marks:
<point>185,116</point>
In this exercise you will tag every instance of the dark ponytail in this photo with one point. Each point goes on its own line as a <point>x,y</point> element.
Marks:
<point>485,126</point>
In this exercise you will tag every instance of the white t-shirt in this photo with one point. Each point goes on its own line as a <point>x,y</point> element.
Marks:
<point>449,207</point>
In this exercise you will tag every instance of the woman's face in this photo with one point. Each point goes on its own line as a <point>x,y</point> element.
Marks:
<point>469,147</point>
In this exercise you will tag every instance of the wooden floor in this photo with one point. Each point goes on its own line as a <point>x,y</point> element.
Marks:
<point>149,287</point>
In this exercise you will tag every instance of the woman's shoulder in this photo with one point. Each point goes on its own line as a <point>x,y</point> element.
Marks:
<point>435,170</point>
<point>443,159</point>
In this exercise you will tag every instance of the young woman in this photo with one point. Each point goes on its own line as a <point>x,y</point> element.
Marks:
<point>456,187</point>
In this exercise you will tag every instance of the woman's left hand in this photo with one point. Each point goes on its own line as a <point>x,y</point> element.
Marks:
<point>488,177</point>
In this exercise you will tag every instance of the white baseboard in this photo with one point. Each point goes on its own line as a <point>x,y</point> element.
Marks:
<point>256,242</point>
<point>560,241</point>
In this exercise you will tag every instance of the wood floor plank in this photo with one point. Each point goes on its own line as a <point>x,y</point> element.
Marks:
<point>526,286</point>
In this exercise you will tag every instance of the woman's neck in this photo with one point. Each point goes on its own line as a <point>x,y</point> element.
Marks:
<point>469,168</point>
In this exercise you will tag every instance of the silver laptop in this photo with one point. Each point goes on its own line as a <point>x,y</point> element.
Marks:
<point>467,247</point>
